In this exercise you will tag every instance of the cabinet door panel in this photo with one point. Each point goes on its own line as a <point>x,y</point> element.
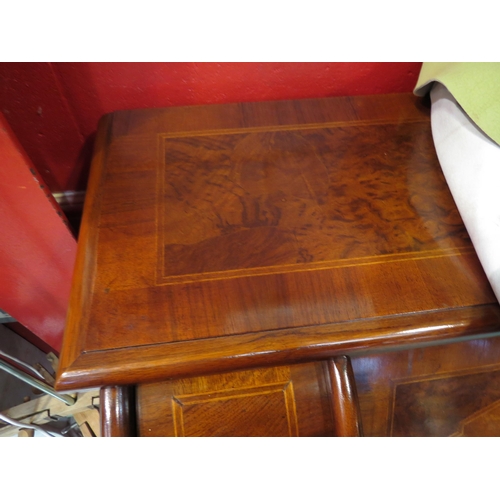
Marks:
<point>447,390</point>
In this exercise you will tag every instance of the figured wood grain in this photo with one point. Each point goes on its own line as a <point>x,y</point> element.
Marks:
<point>292,194</point>
<point>222,237</point>
<point>425,400</point>
<point>285,401</point>
<point>443,390</point>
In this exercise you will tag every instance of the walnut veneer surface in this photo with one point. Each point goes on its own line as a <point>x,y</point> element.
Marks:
<point>228,237</point>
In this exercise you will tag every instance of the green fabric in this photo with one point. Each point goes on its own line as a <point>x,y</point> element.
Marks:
<point>475,86</point>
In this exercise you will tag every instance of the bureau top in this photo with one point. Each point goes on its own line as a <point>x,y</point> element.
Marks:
<point>229,236</point>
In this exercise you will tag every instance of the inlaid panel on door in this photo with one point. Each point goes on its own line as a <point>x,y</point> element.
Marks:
<point>281,401</point>
<point>446,390</point>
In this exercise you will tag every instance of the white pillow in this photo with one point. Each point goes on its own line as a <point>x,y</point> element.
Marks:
<point>471,165</point>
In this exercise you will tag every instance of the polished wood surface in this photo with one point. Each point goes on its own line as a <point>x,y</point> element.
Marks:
<point>346,411</point>
<point>150,363</point>
<point>222,238</point>
<point>311,399</point>
<point>117,411</point>
<point>280,402</point>
<point>445,390</point>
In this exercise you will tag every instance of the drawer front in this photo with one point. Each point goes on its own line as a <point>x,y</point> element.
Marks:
<point>279,401</point>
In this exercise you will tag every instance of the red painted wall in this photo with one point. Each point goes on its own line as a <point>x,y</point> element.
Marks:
<point>54,108</point>
<point>32,101</point>
<point>37,250</point>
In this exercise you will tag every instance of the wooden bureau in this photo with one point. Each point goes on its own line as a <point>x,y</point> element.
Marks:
<point>234,260</point>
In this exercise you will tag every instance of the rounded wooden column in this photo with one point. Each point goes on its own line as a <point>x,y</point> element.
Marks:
<point>117,410</point>
<point>344,397</point>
